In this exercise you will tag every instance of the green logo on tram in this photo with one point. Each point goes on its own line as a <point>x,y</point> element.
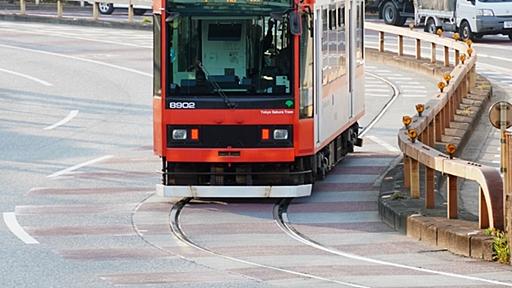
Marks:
<point>288,103</point>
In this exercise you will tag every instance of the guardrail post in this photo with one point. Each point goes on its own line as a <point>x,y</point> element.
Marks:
<point>433,54</point>
<point>483,217</point>
<point>446,56</point>
<point>418,49</point>
<point>451,192</point>
<point>457,55</point>
<point>430,201</point>
<point>507,186</point>
<point>428,140</point>
<point>400,45</point>
<point>449,108</point>
<point>472,77</point>
<point>446,116</point>
<point>130,11</point>
<point>437,127</point>
<point>95,11</point>
<point>59,8</point>
<point>415,179</point>
<point>407,172</point>
<point>381,41</point>
<point>23,7</point>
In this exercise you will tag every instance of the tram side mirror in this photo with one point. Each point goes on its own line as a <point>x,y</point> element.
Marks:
<point>172,16</point>
<point>295,23</point>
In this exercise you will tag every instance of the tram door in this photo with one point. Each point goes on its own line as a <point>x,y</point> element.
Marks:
<point>351,54</point>
<point>318,71</point>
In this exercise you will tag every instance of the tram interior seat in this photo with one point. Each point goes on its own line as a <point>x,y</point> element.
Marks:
<point>226,81</point>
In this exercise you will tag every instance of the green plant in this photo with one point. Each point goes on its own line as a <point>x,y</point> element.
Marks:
<point>489,231</point>
<point>146,20</point>
<point>500,247</point>
<point>396,196</point>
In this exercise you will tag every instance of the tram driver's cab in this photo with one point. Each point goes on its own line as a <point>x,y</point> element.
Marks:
<point>242,55</point>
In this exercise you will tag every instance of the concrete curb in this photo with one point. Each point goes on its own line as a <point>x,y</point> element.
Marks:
<point>75,21</point>
<point>409,216</point>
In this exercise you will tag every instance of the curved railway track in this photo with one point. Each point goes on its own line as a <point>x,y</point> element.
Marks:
<point>281,219</point>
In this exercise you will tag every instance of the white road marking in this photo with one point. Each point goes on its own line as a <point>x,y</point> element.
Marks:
<point>377,95</point>
<point>72,114</point>
<point>412,87</point>
<point>494,57</point>
<point>382,143</point>
<point>16,229</point>
<point>78,166</point>
<point>373,84</point>
<point>377,89</point>
<point>26,77</point>
<point>72,36</point>
<point>414,95</point>
<point>399,77</point>
<point>79,59</point>
<point>396,93</point>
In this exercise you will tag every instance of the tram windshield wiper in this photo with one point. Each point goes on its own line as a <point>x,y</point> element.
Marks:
<point>217,88</point>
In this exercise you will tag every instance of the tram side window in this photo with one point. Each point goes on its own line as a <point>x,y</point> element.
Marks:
<point>325,47</point>
<point>333,49</point>
<point>360,34</point>
<point>306,71</point>
<point>157,56</point>
<point>342,60</point>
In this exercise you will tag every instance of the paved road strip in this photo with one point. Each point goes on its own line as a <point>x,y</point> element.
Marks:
<point>79,59</point>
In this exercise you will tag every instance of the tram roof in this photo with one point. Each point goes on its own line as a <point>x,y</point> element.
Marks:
<point>228,7</point>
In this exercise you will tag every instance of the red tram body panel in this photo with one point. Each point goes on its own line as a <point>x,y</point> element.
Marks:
<point>255,98</point>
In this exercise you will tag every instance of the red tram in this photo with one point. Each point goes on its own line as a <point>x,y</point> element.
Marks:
<point>255,98</point>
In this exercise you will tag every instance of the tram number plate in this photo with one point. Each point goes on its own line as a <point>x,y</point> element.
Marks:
<point>507,24</point>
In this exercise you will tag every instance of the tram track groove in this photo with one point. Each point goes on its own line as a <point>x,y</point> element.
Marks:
<point>282,220</point>
<point>180,235</point>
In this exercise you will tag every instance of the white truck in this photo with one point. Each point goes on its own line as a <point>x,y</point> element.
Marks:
<point>471,18</point>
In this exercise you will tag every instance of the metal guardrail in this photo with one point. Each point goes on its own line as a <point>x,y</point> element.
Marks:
<point>95,11</point>
<point>429,126</point>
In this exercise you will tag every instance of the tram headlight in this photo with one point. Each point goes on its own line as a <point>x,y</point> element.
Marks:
<point>179,134</point>
<point>280,134</point>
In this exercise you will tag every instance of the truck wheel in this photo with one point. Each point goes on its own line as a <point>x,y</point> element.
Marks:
<point>401,21</point>
<point>430,27</point>
<point>465,31</point>
<point>510,36</point>
<point>390,13</point>
<point>139,12</point>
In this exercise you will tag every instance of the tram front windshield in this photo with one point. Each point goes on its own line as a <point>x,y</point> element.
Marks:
<point>229,56</point>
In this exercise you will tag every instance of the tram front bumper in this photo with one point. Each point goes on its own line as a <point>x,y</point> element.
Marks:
<point>234,191</point>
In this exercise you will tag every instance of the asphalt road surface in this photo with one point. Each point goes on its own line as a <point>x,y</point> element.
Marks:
<point>78,174</point>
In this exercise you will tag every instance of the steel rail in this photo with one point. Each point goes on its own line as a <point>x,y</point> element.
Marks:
<point>396,93</point>
<point>180,235</point>
<point>280,213</point>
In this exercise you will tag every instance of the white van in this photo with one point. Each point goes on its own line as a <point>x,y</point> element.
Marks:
<point>471,18</point>
<point>107,8</point>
